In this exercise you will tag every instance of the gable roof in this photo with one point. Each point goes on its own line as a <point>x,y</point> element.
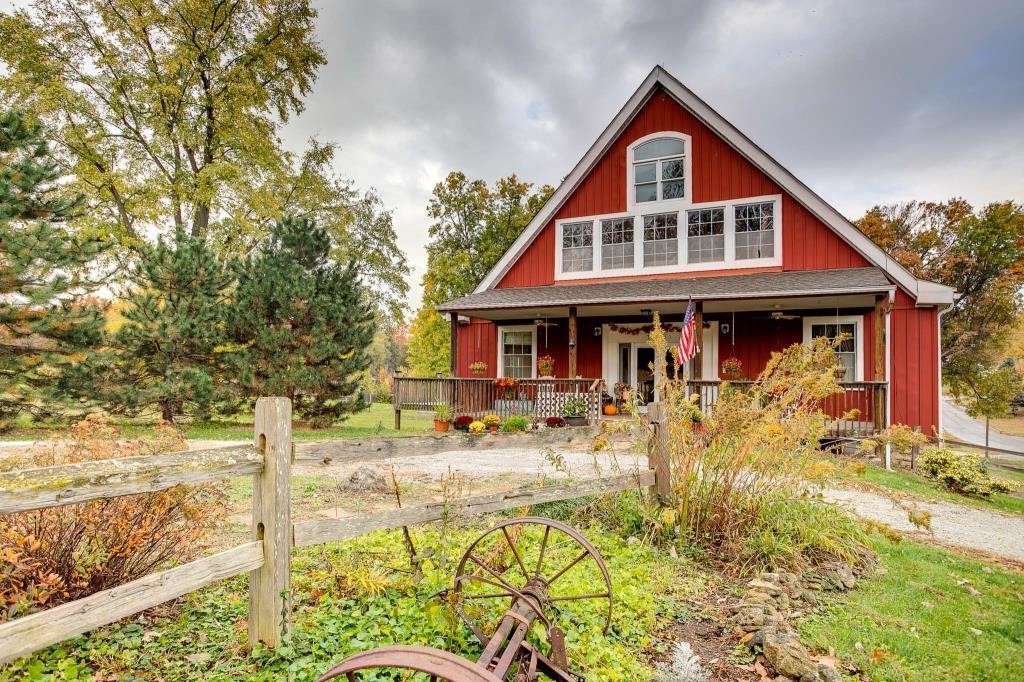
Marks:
<point>924,292</point>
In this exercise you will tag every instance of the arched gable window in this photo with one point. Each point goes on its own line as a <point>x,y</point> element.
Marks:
<point>659,170</point>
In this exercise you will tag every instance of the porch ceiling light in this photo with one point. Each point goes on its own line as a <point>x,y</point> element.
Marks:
<point>572,343</point>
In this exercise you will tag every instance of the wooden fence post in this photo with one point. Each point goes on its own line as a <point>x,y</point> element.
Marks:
<point>270,585</point>
<point>658,454</point>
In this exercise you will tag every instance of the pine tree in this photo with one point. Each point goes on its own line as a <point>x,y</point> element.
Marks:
<point>168,353</point>
<point>46,322</point>
<point>302,322</point>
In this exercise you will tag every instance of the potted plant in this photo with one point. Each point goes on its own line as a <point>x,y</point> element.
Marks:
<point>516,422</point>
<point>507,386</point>
<point>442,417</point>
<point>462,422</point>
<point>575,411</point>
<point>478,368</point>
<point>839,372</point>
<point>554,422</point>
<point>546,367</point>
<point>621,392</point>
<point>732,368</point>
<point>492,422</point>
<point>476,427</point>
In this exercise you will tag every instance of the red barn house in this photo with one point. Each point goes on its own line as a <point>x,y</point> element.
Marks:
<point>673,203</point>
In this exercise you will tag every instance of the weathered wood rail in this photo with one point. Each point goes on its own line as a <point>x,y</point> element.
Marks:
<point>267,557</point>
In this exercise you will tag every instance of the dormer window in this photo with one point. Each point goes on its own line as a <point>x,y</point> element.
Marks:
<point>659,170</point>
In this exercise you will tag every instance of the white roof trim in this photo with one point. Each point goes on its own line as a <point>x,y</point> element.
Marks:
<point>925,293</point>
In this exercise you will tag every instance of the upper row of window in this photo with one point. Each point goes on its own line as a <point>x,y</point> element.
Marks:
<point>753,229</point>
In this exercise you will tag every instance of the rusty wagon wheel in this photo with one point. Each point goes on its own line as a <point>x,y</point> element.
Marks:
<point>532,557</point>
<point>408,663</point>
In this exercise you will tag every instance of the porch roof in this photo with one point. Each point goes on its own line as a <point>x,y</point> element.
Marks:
<point>722,287</point>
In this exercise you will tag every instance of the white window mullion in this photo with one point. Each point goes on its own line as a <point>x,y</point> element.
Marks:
<point>730,233</point>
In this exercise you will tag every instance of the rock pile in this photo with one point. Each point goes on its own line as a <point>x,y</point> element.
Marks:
<point>772,600</point>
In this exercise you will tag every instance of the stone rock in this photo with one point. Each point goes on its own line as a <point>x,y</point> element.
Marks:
<point>808,597</point>
<point>823,673</point>
<point>367,479</point>
<point>757,597</point>
<point>845,575</point>
<point>765,586</point>
<point>786,654</point>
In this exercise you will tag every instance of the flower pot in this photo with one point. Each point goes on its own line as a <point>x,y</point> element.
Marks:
<point>576,421</point>
<point>492,429</point>
<point>441,426</point>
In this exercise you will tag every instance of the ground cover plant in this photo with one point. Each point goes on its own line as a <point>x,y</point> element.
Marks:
<point>960,473</point>
<point>358,594</point>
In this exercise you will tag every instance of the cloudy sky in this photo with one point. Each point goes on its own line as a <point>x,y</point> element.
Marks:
<point>867,102</point>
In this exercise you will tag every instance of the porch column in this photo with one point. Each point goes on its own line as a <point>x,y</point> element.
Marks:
<point>453,353</point>
<point>572,342</point>
<point>879,341</point>
<point>698,330</point>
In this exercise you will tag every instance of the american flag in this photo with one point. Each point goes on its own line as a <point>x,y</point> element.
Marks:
<point>687,336</point>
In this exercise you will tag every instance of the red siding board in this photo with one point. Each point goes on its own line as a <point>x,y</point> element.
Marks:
<point>914,354</point>
<point>720,174</point>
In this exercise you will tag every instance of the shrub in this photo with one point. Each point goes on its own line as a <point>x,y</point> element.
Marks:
<point>476,427</point>
<point>443,412</point>
<point>491,420</point>
<point>739,481</point>
<point>554,422</point>
<point>462,422</point>
<point>963,474</point>
<point>65,553</point>
<point>516,423</point>
<point>575,406</point>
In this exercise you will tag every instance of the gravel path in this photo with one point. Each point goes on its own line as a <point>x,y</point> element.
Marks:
<point>955,524</point>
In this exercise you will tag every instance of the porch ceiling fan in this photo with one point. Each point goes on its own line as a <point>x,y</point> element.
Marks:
<point>779,315</point>
<point>543,323</point>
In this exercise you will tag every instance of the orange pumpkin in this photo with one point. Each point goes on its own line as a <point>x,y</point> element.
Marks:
<point>611,410</point>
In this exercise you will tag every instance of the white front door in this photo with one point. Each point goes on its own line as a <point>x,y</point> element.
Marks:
<point>627,357</point>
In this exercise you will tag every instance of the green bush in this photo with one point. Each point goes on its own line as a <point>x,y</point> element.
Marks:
<point>516,423</point>
<point>964,474</point>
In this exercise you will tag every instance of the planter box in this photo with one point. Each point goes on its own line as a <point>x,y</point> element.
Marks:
<point>575,421</point>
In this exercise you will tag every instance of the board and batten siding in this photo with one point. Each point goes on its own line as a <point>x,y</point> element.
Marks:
<point>914,358</point>
<point>719,174</point>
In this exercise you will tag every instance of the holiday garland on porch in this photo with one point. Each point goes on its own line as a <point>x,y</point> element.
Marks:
<point>645,329</point>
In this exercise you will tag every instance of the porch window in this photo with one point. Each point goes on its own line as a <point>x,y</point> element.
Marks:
<point>755,231</point>
<point>847,349</point>
<point>661,243</point>
<point>659,170</point>
<point>517,353</point>
<point>617,243</point>
<point>577,247</point>
<point>705,241</point>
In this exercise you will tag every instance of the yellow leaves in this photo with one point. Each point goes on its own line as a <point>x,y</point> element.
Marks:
<point>668,517</point>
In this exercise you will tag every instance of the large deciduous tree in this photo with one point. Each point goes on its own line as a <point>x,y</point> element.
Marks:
<point>46,322</point>
<point>473,225</point>
<point>169,114</point>
<point>167,351</point>
<point>300,323</point>
<point>978,253</point>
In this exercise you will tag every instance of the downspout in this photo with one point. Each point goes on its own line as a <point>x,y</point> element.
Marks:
<point>888,376</point>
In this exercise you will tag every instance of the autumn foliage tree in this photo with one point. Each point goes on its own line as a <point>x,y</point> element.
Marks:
<point>980,253</point>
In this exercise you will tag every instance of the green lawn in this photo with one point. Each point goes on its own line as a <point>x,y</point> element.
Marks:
<point>919,486</point>
<point>378,419</point>
<point>914,622</point>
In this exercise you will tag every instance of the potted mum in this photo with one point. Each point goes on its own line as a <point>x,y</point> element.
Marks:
<point>442,417</point>
<point>732,369</point>
<point>476,427</point>
<point>462,423</point>
<point>575,411</point>
<point>492,422</point>
<point>546,367</point>
<point>478,368</point>
<point>507,386</point>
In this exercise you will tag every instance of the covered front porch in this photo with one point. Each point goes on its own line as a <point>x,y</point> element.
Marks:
<point>596,335</point>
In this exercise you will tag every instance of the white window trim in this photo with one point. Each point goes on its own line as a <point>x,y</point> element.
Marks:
<point>856,320</point>
<point>654,207</point>
<point>662,205</point>
<point>501,346</point>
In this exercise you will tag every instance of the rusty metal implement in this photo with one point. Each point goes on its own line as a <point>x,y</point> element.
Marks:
<point>512,582</point>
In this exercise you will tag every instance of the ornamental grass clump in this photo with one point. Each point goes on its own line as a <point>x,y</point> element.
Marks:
<point>743,479</point>
<point>51,556</point>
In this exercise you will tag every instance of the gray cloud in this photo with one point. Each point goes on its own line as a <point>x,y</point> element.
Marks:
<point>867,102</point>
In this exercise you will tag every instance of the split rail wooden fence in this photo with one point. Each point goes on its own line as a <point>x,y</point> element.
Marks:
<point>267,557</point>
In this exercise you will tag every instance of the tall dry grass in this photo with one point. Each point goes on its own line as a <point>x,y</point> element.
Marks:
<point>744,472</point>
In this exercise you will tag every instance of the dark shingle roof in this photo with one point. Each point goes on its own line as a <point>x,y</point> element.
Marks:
<point>765,284</point>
